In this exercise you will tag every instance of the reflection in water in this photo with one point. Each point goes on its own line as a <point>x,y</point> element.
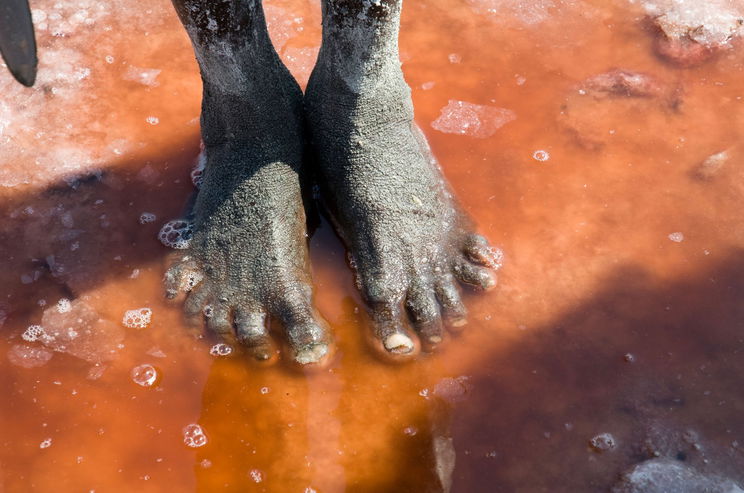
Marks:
<point>614,187</point>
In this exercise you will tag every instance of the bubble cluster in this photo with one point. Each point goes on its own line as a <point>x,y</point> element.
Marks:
<point>193,436</point>
<point>676,237</point>
<point>197,173</point>
<point>221,349</point>
<point>64,305</point>
<point>144,375</point>
<point>137,319</point>
<point>176,234</point>
<point>34,333</point>
<point>256,475</point>
<point>147,217</point>
<point>602,442</point>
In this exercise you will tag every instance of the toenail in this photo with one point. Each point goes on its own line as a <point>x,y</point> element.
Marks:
<point>459,322</point>
<point>399,343</point>
<point>435,339</point>
<point>311,354</point>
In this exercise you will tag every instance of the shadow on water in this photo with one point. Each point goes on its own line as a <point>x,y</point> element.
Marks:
<point>87,229</point>
<point>655,364</point>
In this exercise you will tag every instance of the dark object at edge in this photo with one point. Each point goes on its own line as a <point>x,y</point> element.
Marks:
<point>17,42</point>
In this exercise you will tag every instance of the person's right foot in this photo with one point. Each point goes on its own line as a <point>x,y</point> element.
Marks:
<point>247,260</point>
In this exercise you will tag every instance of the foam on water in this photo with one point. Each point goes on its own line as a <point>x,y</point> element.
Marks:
<point>138,318</point>
<point>176,234</point>
<point>194,436</point>
<point>221,349</point>
<point>144,375</point>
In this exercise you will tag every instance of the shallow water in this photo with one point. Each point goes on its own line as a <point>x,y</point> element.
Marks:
<point>618,308</point>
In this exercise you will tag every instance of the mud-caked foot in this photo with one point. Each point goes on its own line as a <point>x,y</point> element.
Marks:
<point>244,261</point>
<point>409,244</point>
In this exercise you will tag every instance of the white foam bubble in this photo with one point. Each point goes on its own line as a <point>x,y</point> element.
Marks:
<point>540,155</point>
<point>603,442</point>
<point>194,436</point>
<point>152,120</point>
<point>138,318</point>
<point>197,171</point>
<point>176,234</point>
<point>147,217</point>
<point>221,349</point>
<point>256,475</point>
<point>144,375</point>
<point>676,237</point>
<point>46,443</point>
<point>33,333</point>
<point>64,305</point>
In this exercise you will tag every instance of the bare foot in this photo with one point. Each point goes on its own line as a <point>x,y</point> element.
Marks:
<point>247,258</point>
<point>409,243</point>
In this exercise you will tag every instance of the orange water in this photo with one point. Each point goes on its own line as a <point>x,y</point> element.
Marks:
<point>590,276</point>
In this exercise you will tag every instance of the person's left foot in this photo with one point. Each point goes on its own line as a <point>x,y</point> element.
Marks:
<point>408,240</point>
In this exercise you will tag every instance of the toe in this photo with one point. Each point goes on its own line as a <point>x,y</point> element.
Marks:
<point>307,334</point>
<point>480,252</point>
<point>478,277</point>
<point>423,311</point>
<point>386,316</point>
<point>217,316</point>
<point>453,309</point>
<point>388,329</point>
<point>194,305</point>
<point>181,278</point>
<point>252,333</point>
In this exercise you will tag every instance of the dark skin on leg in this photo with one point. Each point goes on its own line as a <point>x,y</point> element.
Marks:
<point>409,242</point>
<point>247,261</point>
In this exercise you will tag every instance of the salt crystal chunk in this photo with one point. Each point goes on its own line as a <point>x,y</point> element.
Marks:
<point>145,76</point>
<point>27,356</point>
<point>474,120</point>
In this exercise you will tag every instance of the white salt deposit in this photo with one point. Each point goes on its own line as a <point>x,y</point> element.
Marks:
<point>474,120</point>
<point>144,76</point>
<point>49,128</point>
<point>27,356</point>
<point>710,23</point>
<point>81,332</point>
